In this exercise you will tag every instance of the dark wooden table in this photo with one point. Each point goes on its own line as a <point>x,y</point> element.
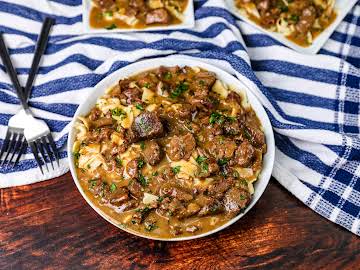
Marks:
<point>49,226</point>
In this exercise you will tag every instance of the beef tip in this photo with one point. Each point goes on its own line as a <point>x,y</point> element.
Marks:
<point>142,212</point>
<point>118,149</point>
<point>220,147</point>
<point>213,207</point>
<point>170,207</point>
<point>176,229</point>
<point>132,95</point>
<point>159,15</point>
<point>203,81</point>
<point>191,210</point>
<point>306,20</point>
<point>181,112</point>
<point>236,199</point>
<point>120,196</point>
<point>152,152</point>
<point>208,167</point>
<point>231,128</point>
<point>148,126</point>
<point>218,188</point>
<point>132,168</point>
<point>244,154</point>
<point>131,136</point>
<point>94,114</point>
<point>257,137</point>
<point>135,189</point>
<point>104,4</point>
<point>103,121</point>
<point>180,147</point>
<point>176,192</point>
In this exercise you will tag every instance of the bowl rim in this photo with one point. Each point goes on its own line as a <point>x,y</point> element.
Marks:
<point>110,80</point>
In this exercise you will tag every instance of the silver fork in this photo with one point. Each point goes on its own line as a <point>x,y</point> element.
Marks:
<point>23,127</point>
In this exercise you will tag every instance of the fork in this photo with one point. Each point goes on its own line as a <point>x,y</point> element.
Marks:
<point>23,128</point>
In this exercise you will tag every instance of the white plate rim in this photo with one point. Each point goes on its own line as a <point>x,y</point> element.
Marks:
<point>189,22</point>
<point>268,160</point>
<point>341,6</point>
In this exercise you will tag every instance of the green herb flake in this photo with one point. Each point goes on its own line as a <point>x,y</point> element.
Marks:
<point>200,159</point>
<point>143,181</point>
<point>112,26</point>
<point>142,145</point>
<point>88,166</point>
<point>168,75</point>
<point>118,161</point>
<point>92,183</point>
<point>216,117</point>
<point>139,107</point>
<point>150,226</point>
<point>160,199</point>
<point>176,169</point>
<point>147,85</point>
<point>155,174</point>
<point>222,161</point>
<point>108,13</point>
<point>202,83</point>
<point>294,18</point>
<point>118,112</point>
<point>141,163</point>
<point>113,187</point>
<point>179,89</point>
<point>76,155</point>
<point>247,134</point>
<point>242,197</point>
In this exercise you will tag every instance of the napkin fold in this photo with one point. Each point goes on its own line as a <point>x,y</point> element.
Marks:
<point>312,101</point>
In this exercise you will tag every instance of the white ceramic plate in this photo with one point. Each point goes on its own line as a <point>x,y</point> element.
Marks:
<point>188,22</point>
<point>342,7</point>
<point>138,67</point>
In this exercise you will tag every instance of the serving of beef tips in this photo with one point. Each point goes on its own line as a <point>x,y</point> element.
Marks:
<point>136,13</point>
<point>189,118</point>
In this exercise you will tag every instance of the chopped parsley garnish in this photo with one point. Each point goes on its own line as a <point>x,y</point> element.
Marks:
<point>142,145</point>
<point>155,173</point>
<point>179,89</point>
<point>242,197</point>
<point>150,226</point>
<point>219,118</point>
<point>168,75</point>
<point>294,18</point>
<point>143,181</point>
<point>141,163</point>
<point>222,161</point>
<point>92,183</point>
<point>118,112</point>
<point>176,169</point>
<point>139,107</point>
<point>113,187</point>
<point>108,13</point>
<point>160,199</point>
<point>200,159</point>
<point>202,83</point>
<point>76,155</point>
<point>247,134</point>
<point>147,85</point>
<point>88,166</point>
<point>112,26</point>
<point>118,161</point>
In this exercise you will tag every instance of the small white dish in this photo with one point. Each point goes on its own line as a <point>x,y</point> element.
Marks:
<point>132,69</point>
<point>188,22</point>
<point>342,7</point>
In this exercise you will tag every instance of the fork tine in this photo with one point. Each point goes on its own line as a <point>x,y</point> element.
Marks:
<point>16,148</point>
<point>36,155</point>
<point>11,145</point>
<point>53,147</point>
<point>48,151</point>
<point>5,144</point>
<point>42,153</point>
<point>22,150</point>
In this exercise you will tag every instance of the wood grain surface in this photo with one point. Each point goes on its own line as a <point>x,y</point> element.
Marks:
<point>49,226</point>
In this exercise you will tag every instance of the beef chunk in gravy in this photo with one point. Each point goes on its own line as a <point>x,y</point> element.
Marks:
<point>181,147</point>
<point>148,126</point>
<point>158,16</point>
<point>152,152</point>
<point>171,168</point>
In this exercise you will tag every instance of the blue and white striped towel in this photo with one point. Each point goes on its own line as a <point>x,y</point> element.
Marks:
<point>312,101</point>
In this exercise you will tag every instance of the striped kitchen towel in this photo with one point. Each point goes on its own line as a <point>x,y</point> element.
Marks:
<point>312,101</point>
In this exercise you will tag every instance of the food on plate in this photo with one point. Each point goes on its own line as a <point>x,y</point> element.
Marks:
<point>111,14</point>
<point>298,20</point>
<point>170,152</point>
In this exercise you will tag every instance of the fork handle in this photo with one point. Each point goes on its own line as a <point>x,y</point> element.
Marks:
<point>4,54</point>
<point>39,51</point>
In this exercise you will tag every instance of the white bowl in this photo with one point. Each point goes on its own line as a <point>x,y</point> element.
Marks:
<point>188,22</point>
<point>138,67</point>
<point>342,7</point>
